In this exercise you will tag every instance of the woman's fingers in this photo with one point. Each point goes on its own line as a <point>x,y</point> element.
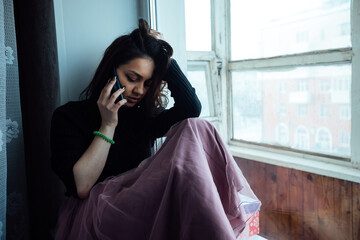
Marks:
<point>120,103</point>
<point>107,106</point>
<point>112,104</point>
<point>116,94</point>
<point>107,99</point>
<point>105,93</point>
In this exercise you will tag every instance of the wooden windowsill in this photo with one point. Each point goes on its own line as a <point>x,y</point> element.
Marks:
<point>341,170</point>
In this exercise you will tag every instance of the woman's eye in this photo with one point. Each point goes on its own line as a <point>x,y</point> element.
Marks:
<point>148,83</point>
<point>130,79</point>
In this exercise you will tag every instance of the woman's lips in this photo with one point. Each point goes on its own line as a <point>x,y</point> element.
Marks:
<point>133,100</point>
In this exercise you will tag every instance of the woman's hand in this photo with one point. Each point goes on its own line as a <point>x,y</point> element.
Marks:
<point>107,106</point>
<point>90,165</point>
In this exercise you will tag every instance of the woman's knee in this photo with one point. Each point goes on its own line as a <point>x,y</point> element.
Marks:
<point>196,123</point>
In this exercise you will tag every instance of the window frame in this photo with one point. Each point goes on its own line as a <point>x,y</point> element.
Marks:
<point>341,55</point>
<point>210,83</point>
<point>214,60</point>
<point>220,63</point>
<point>347,168</point>
<point>325,57</point>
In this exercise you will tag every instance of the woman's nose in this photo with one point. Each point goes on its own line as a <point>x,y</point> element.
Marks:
<point>139,89</point>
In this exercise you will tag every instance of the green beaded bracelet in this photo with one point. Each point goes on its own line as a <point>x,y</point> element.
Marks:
<point>104,137</point>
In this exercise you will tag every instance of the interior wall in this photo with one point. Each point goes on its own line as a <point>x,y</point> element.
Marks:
<point>171,23</point>
<point>84,29</point>
<point>302,205</point>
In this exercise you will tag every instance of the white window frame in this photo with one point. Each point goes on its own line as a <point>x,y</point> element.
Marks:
<point>214,61</point>
<point>210,84</point>
<point>209,62</point>
<point>220,67</point>
<point>347,168</point>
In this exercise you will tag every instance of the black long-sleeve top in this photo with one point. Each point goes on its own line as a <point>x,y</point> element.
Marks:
<point>73,124</point>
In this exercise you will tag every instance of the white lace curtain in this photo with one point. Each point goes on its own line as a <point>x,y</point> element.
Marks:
<point>13,194</point>
<point>2,125</point>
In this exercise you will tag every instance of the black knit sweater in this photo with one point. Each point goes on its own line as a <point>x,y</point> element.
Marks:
<point>73,124</point>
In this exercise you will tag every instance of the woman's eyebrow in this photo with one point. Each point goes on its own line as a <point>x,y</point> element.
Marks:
<point>137,74</point>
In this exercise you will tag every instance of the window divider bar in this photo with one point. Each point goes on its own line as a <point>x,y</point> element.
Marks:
<point>290,151</point>
<point>355,85</point>
<point>200,55</point>
<point>318,57</point>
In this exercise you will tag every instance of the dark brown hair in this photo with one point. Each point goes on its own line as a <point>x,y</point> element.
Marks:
<point>140,43</point>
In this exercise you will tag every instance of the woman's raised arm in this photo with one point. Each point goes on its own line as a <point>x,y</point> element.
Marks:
<point>90,165</point>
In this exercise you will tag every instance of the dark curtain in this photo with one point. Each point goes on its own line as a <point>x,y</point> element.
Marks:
<point>39,95</point>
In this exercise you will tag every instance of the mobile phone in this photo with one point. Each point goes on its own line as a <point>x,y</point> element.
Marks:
<point>117,86</point>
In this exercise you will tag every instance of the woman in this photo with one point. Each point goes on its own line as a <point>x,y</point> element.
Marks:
<point>99,142</point>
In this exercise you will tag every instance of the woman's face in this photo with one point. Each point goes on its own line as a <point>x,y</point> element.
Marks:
<point>136,76</point>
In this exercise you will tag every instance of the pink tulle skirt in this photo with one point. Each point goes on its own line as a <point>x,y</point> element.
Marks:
<point>190,189</point>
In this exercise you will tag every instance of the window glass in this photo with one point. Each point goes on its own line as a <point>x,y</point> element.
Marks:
<point>282,134</point>
<point>303,118</point>
<point>198,25</point>
<point>197,78</point>
<point>302,138</point>
<point>324,111</point>
<point>345,112</point>
<point>345,139</point>
<point>302,110</point>
<point>282,109</point>
<point>262,28</point>
<point>323,140</point>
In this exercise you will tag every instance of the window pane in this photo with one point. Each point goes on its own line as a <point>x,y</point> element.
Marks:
<point>307,116</point>
<point>197,78</point>
<point>262,28</point>
<point>198,25</point>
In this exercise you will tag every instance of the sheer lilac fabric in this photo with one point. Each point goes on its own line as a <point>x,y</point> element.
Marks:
<point>190,189</point>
